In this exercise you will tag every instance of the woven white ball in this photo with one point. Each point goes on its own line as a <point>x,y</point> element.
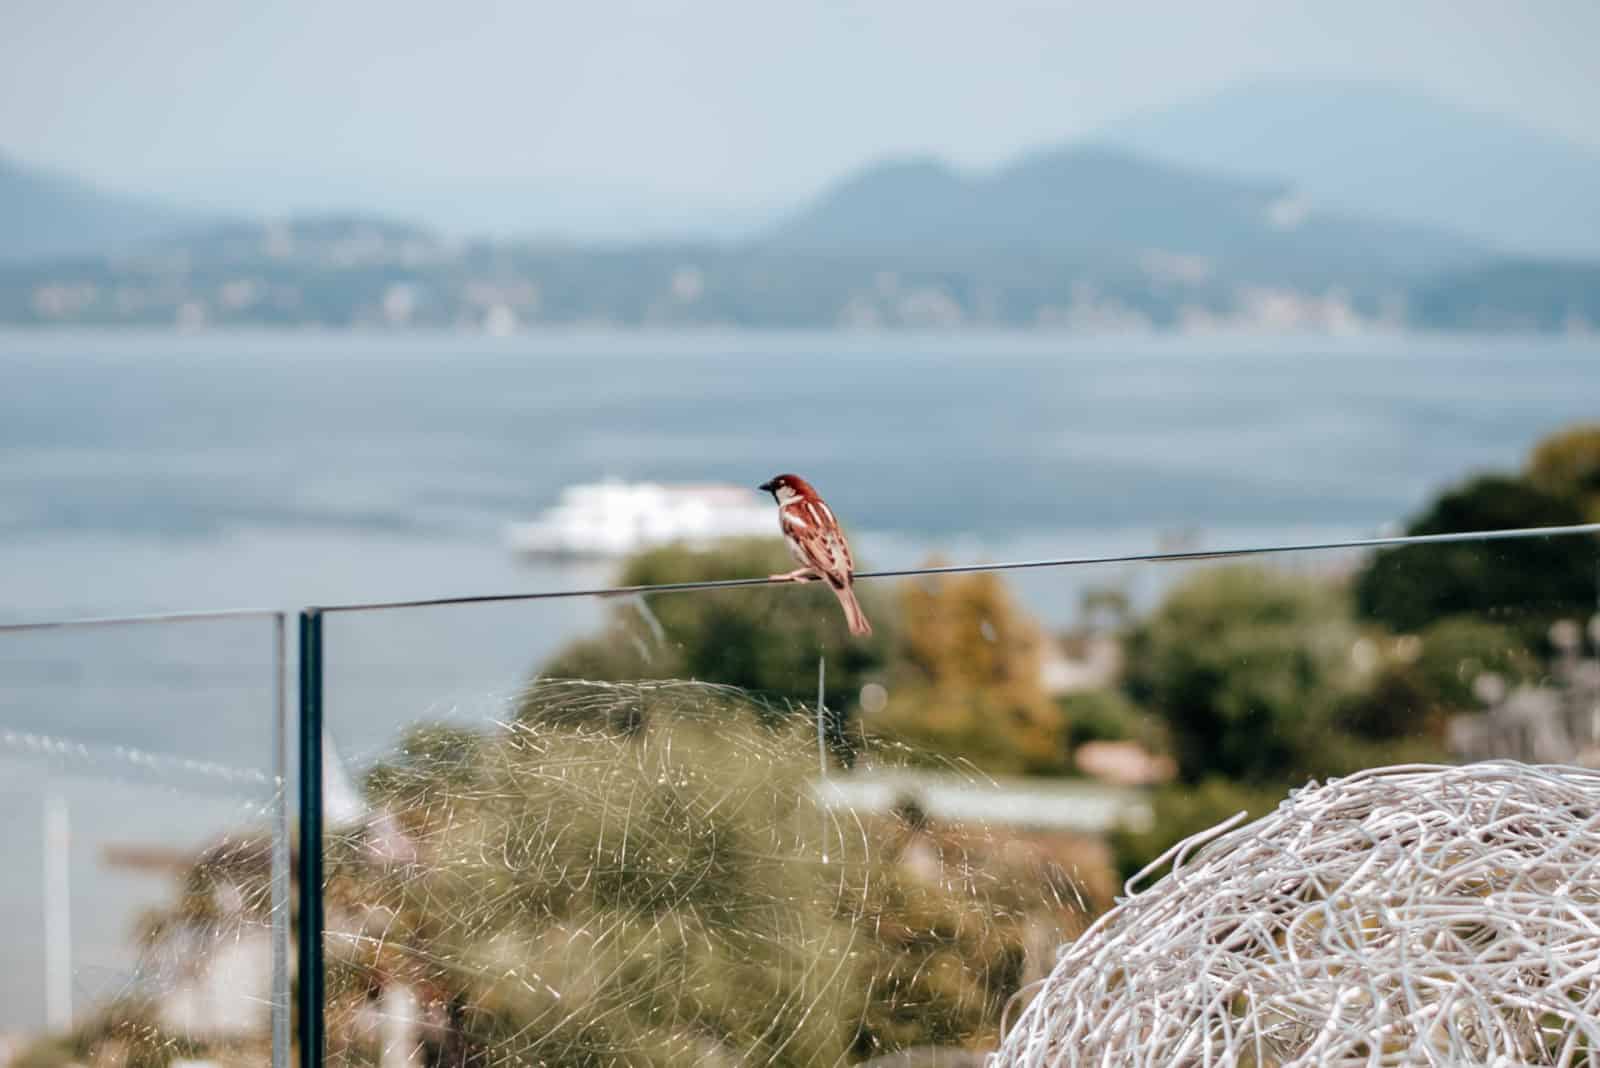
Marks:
<point>1415,915</point>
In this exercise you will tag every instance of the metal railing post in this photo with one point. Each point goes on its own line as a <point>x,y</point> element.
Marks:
<point>282,1009</point>
<point>311,965</point>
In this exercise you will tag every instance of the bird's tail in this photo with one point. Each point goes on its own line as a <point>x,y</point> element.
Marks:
<point>853,615</point>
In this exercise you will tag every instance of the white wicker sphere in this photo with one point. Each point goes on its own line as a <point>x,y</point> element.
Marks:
<point>1416,915</point>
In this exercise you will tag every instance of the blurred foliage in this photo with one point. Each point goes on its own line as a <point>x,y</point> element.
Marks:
<point>1180,810</point>
<point>1418,682</point>
<point>1453,652</point>
<point>1265,680</point>
<point>1567,463</point>
<point>654,895</point>
<point>652,889</point>
<point>1110,716</point>
<point>966,678</point>
<point>1524,583</point>
<point>126,1034</point>
<point>1246,667</point>
<point>1397,703</point>
<point>765,640</point>
<point>1105,607</point>
<point>959,661</point>
<point>958,921</point>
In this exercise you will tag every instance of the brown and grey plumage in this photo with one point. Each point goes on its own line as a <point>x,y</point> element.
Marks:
<point>817,544</point>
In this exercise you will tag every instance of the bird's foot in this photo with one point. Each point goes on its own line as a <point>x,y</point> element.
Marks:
<point>803,574</point>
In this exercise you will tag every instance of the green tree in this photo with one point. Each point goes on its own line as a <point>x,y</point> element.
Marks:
<point>1419,682</point>
<point>1567,463</point>
<point>1523,583</point>
<point>1453,652</point>
<point>1109,716</point>
<point>762,639</point>
<point>1395,704</point>
<point>965,679</point>
<point>1246,667</point>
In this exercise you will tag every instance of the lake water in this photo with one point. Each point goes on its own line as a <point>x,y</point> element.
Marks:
<point>154,472</point>
<point>158,471</point>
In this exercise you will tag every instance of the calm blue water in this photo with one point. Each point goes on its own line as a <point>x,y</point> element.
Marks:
<point>161,471</point>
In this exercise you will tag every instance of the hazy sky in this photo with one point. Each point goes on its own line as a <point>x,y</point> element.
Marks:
<point>744,99</point>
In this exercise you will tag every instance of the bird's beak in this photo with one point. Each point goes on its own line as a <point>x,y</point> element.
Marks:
<point>765,487</point>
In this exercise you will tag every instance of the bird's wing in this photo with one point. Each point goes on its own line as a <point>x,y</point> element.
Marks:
<point>815,534</point>
<point>840,547</point>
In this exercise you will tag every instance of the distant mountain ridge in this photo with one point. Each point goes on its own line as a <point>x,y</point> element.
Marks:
<point>1089,235</point>
<point>1079,197</point>
<point>1093,201</point>
<point>1388,153</point>
<point>45,215</point>
<point>1378,154</point>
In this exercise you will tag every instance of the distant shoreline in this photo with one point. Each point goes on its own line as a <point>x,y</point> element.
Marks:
<point>964,334</point>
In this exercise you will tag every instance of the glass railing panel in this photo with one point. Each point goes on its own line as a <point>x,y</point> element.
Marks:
<point>624,828</point>
<point>146,884</point>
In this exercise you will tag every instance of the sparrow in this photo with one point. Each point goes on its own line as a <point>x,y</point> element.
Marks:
<point>816,543</point>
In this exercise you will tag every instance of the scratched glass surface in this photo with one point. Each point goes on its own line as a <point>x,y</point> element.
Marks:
<point>146,882</point>
<point>709,826</point>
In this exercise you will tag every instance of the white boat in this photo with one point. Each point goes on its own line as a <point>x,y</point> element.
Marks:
<point>614,518</point>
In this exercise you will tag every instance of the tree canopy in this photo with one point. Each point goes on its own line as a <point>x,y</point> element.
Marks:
<point>1524,582</point>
